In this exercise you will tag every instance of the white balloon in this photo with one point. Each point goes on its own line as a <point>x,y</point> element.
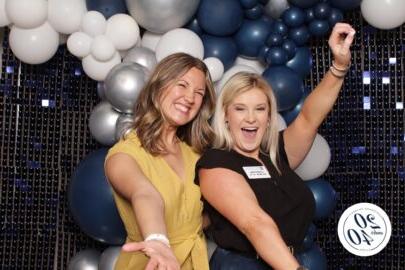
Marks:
<point>316,161</point>
<point>180,40</point>
<point>150,40</point>
<point>98,70</point>
<point>4,20</point>
<point>384,14</point>
<point>36,45</point>
<point>123,31</point>
<point>94,23</point>
<point>102,48</point>
<point>65,16</point>
<point>79,44</point>
<point>281,122</point>
<point>215,67</point>
<point>229,73</point>
<point>257,65</point>
<point>27,13</point>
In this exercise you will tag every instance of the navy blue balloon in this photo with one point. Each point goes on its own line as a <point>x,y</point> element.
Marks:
<point>294,17</point>
<point>319,28</point>
<point>325,197</point>
<point>335,16</point>
<point>290,115</point>
<point>223,48</point>
<point>264,2</point>
<point>252,36</point>
<point>290,48</point>
<point>299,35</point>
<point>194,26</point>
<point>345,4</point>
<point>91,201</point>
<point>301,63</point>
<point>107,7</point>
<point>274,40</point>
<point>276,56</point>
<point>322,10</point>
<point>279,27</point>
<point>303,3</point>
<point>254,13</point>
<point>247,4</point>
<point>313,259</point>
<point>309,238</point>
<point>220,17</point>
<point>262,56</point>
<point>286,85</point>
<point>310,15</point>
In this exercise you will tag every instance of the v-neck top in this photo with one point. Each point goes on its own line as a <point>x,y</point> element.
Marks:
<point>284,197</point>
<point>183,206</point>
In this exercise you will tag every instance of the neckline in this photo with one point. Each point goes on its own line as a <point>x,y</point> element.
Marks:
<point>181,180</point>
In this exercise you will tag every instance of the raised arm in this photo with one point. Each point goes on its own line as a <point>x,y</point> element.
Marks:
<point>299,136</point>
<point>129,181</point>
<point>248,216</point>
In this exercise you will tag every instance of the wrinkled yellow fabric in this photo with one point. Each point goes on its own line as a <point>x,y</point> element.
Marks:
<point>183,207</point>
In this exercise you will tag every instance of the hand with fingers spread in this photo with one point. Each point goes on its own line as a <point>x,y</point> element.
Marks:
<point>340,40</point>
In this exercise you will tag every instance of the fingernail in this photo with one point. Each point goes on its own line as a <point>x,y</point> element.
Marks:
<point>352,32</point>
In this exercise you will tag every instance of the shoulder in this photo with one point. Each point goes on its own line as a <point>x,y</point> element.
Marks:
<point>129,145</point>
<point>217,158</point>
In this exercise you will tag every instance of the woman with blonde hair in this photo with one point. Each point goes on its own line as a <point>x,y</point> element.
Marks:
<point>259,207</point>
<point>151,169</point>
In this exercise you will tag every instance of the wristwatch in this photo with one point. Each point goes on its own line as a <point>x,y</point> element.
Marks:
<point>301,267</point>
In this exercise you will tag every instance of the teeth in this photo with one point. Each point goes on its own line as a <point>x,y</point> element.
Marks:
<point>249,129</point>
<point>182,108</point>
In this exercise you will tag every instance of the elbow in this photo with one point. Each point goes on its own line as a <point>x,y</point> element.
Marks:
<point>253,226</point>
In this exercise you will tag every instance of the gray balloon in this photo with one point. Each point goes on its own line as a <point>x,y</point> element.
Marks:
<point>101,90</point>
<point>109,258</point>
<point>123,84</point>
<point>123,126</point>
<point>102,122</point>
<point>160,16</point>
<point>85,260</point>
<point>143,56</point>
<point>275,8</point>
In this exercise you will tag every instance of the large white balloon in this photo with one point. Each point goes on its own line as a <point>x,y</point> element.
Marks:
<point>79,44</point>
<point>180,40</point>
<point>384,14</point>
<point>316,161</point>
<point>27,13</point>
<point>34,46</point>
<point>102,48</point>
<point>215,67</point>
<point>229,73</point>
<point>98,70</point>
<point>123,31</point>
<point>94,23</point>
<point>4,20</point>
<point>65,16</point>
<point>256,64</point>
<point>150,40</point>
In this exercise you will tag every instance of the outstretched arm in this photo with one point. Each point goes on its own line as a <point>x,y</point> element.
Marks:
<point>299,136</point>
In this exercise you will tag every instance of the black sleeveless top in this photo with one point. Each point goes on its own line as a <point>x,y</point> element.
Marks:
<point>284,197</point>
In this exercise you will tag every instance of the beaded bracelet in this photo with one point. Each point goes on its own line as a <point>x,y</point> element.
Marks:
<point>158,237</point>
<point>340,69</point>
<point>337,73</point>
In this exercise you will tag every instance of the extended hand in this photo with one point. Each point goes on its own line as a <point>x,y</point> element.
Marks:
<point>161,256</point>
<point>340,41</point>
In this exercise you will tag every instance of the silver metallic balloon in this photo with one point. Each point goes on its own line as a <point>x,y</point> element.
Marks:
<point>85,260</point>
<point>124,123</point>
<point>109,258</point>
<point>123,84</point>
<point>143,56</point>
<point>102,122</point>
<point>160,16</point>
<point>275,8</point>
<point>101,90</point>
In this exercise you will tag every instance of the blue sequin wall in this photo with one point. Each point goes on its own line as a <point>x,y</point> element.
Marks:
<point>43,120</point>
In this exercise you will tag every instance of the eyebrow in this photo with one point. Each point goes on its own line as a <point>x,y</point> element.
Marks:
<point>243,104</point>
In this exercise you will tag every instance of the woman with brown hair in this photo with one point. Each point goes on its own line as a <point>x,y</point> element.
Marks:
<point>151,169</point>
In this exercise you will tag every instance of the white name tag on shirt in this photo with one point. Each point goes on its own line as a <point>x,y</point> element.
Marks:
<point>256,172</point>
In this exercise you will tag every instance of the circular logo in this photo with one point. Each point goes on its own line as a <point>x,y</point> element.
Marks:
<point>364,229</point>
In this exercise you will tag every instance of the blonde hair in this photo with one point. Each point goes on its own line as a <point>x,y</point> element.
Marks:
<point>238,84</point>
<point>149,120</point>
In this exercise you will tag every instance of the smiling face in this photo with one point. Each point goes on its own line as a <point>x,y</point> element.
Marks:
<point>248,116</point>
<point>182,99</point>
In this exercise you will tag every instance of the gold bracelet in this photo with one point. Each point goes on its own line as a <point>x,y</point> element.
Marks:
<point>335,72</point>
<point>340,69</point>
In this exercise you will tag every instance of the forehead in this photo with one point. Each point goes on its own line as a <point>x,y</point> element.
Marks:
<point>254,95</point>
<point>193,75</point>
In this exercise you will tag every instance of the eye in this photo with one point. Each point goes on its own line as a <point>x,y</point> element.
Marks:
<point>181,85</point>
<point>261,108</point>
<point>200,92</point>
<point>238,108</point>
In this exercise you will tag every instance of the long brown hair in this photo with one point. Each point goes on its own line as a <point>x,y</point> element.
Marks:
<point>149,120</point>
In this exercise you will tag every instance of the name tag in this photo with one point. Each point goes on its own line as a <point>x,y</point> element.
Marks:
<point>256,172</point>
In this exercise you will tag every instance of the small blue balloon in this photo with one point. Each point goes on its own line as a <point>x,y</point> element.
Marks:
<point>294,17</point>
<point>264,2</point>
<point>279,27</point>
<point>303,3</point>
<point>319,28</point>
<point>286,85</point>
<point>309,238</point>
<point>220,18</point>
<point>223,48</point>
<point>107,7</point>
<point>313,259</point>
<point>290,47</point>
<point>299,35</point>
<point>194,26</point>
<point>262,56</point>
<point>274,40</point>
<point>91,201</point>
<point>254,13</point>
<point>325,197</point>
<point>276,56</point>
<point>252,36</point>
<point>335,16</point>
<point>322,10</point>
<point>248,4</point>
<point>345,4</point>
<point>290,115</point>
<point>301,63</point>
<point>310,15</point>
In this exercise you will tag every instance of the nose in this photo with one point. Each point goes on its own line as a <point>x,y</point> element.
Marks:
<point>189,96</point>
<point>250,116</point>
